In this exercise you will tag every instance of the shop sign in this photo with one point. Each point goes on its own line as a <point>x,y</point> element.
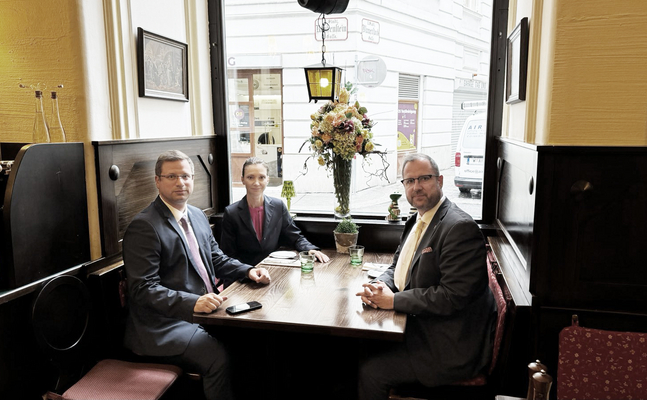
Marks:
<point>370,31</point>
<point>338,29</point>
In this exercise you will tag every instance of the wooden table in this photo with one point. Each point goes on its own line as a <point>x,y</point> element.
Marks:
<point>322,302</point>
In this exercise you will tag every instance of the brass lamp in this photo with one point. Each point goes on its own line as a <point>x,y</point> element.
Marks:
<point>323,80</point>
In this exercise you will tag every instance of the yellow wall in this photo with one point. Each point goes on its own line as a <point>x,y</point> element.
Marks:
<point>584,75</point>
<point>40,48</point>
<point>599,95</point>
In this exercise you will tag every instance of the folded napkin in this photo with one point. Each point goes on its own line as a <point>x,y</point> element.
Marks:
<point>283,262</point>
<point>374,266</point>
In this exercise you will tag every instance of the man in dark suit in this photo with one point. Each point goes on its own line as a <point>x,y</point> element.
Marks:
<point>439,278</point>
<point>257,225</point>
<point>174,269</point>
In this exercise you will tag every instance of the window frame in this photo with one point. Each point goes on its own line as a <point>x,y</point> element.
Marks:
<point>496,89</point>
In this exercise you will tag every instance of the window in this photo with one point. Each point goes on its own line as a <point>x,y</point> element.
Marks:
<point>255,121</point>
<point>427,76</point>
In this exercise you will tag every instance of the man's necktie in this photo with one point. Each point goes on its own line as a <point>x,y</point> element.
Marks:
<point>195,254</point>
<point>406,255</point>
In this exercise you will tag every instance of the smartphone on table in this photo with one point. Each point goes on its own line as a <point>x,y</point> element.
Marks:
<point>239,308</point>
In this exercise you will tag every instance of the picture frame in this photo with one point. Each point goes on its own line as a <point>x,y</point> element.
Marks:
<point>517,63</point>
<point>162,67</point>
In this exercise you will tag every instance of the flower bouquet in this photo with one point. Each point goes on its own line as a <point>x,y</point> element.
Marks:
<point>340,130</point>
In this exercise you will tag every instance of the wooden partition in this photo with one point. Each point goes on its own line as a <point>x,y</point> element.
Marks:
<point>126,180</point>
<point>570,222</point>
<point>44,227</point>
<point>44,234</point>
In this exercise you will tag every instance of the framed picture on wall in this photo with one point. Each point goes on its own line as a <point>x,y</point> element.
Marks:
<point>162,68</point>
<point>517,63</point>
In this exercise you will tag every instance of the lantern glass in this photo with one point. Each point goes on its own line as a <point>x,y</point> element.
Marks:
<point>323,82</point>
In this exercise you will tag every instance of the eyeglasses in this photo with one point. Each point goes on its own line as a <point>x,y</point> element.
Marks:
<point>422,179</point>
<point>173,177</point>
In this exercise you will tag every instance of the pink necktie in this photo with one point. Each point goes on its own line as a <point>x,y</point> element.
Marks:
<point>195,254</point>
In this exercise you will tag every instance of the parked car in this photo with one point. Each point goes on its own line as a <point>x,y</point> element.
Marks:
<point>470,154</point>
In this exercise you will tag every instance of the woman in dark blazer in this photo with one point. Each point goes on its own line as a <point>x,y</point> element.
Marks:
<point>257,225</point>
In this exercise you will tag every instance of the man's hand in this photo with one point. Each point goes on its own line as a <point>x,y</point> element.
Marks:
<point>320,256</point>
<point>208,303</point>
<point>377,295</point>
<point>259,275</point>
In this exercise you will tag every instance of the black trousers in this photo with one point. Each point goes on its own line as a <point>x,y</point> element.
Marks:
<point>382,367</point>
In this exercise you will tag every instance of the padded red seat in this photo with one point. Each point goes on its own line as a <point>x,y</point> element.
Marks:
<point>599,364</point>
<point>122,380</point>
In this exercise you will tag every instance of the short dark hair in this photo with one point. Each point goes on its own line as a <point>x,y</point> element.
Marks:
<point>252,161</point>
<point>172,155</point>
<point>420,157</point>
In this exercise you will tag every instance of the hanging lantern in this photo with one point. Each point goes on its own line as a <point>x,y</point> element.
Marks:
<point>324,82</point>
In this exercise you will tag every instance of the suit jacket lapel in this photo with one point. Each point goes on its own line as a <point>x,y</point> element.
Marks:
<point>428,236</point>
<point>166,213</point>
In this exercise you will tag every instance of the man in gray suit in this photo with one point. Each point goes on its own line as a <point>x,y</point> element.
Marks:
<point>439,278</point>
<point>174,269</point>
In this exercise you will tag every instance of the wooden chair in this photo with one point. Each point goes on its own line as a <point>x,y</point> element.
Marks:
<point>60,318</point>
<point>477,387</point>
<point>600,364</point>
<point>110,291</point>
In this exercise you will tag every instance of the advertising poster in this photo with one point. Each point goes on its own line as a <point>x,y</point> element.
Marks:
<point>407,124</point>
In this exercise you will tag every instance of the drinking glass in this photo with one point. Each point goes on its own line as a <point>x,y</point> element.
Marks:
<point>307,261</point>
<point>356,255</point>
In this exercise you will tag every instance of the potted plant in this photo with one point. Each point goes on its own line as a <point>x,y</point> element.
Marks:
<point>345,234</point>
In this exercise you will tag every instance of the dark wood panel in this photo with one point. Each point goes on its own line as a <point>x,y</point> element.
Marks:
<point>44,214</point>
<point>125,194</point>
<point>574,217</point>
<point>375,235</point>
<point>592,229</point>
<point>516,202</point>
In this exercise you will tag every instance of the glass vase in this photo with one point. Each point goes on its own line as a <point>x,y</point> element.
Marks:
<point>341,180</point>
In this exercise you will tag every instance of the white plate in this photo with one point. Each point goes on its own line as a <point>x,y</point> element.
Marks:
<point>283,254</point>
